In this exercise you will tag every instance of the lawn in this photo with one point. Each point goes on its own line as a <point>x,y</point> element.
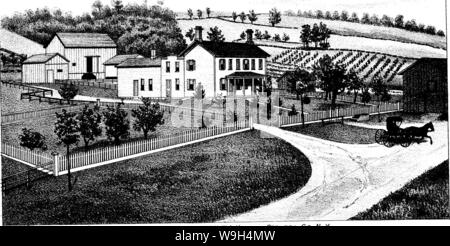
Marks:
<point>426,197</point>
<point>317,105</point>
<point>90,91</point>
<point>204,182</point>
<point>337,132</point>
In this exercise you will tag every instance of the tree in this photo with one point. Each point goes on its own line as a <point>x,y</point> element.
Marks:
<point>234,16</point>
<point>399,21</point>
<point>243,35</point>
<point>344,16</point>
<point>66,128</point>
<point>387,21</point>
<point>242,16</point>
<point>116,123</point>
<point>441,33</point>
<point>274,16</point>
<point>215,35</point>
<point>319,14</point>
<point>97,8</point>
<point>324,35</point>
<point>266,35</point>
<point>365,96</point>
<point>374,20</point>
<point>378,87</point>
<point>208,11</point>
<point>258,34</point>
<point>147,117</point>
<point>331,76</point>
<point>277,37</point>
<point>354,17</point>
<point>117,5</point>
<point>354,83</point>
<point>365,19</point>
<point>190,13</point>
<point>421,27</point>
<point>68,91</point>
<point>190,34</point>
<point>411,25</point>
<point>252,17</point>
<point>336,15</point>
<point>430,30</point>
<point>293,111</point>
<point>32,140</point>
<point>89,120</point>
<point>285,37</point>
<point>300,82</point>
<point>315,35</point>
<point>305,36</point>
<point>199,13</point>
<point>328,15</point>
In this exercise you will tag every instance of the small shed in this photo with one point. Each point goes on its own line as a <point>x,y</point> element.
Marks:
<point>45,68</point>
<point>111,64</point>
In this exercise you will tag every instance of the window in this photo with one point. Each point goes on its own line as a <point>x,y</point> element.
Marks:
<point>177,67</point>
<point>261,64</point>
<point>59,70</point>
<point>191,84</point>
<point>150,84</point>
<point>190,65</point>
<point>177,84</point>
<point>168,67</point>
<point>223,84</point>
<point>253,64</point>
<point>74,64</point>
<point>142,85</point>
<point>230,64</point>
<point>238,64</point>
<point>246,64</point>
<point>222,64</point>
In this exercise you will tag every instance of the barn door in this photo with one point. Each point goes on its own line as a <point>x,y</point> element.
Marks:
<point>50,76</point>
<point>89,64</point>
<point>135,88</point>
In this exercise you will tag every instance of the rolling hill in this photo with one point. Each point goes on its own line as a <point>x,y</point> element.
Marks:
<point>15,43</point>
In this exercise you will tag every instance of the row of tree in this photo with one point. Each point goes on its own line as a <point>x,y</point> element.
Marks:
<point>398,21</point>
<point>266,36</point>
<point>318,34</point>
<point>136,28</point>
<point>12,59</point>
<point>190,13</point>
<point>274,16</point>
<point>334,79</point>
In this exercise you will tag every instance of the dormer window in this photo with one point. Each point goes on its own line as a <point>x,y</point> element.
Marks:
<point>190,65</point>
<point>222,64</point>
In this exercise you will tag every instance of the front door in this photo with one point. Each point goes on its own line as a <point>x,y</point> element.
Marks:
<point>168,87</point>
<point>135,88</point>
<point>50,76</point>
<point>89,64</point>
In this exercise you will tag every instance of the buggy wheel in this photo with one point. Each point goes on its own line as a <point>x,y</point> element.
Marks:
<point>380,136</point>
<point>406,144</point>
<point>389,144</point>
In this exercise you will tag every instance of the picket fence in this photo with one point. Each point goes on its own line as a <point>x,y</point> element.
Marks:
<point>83,160</point>
<point>348,112</point>
<point>35,159</point>
<point>8,118</point>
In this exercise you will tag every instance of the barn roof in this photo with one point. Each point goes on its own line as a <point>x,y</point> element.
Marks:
<point>85,40</point>
<point>441,62</point>
<point>42,58</point>
<point>140,62</point>
<point>228,49</point>
<point>116,60</point>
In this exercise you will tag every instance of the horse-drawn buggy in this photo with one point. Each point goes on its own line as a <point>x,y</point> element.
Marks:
<point>405,137</point>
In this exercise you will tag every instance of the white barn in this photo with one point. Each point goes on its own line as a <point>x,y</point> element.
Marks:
<point>45,68</point>
<point>110,65</point>
<point>86,52</point>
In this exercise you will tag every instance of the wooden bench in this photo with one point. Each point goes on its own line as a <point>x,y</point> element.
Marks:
<point>331,120</point>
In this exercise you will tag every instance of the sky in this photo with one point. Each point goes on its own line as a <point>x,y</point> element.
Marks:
<point>429,12</point>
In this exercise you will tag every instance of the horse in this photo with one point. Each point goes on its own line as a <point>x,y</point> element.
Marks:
<point>420,131</point>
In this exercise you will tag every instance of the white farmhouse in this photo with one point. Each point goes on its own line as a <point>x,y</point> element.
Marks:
<point>45,68</point>
<point>86,52</point>
<point>110,65</point>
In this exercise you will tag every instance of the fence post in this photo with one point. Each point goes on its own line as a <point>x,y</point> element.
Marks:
<point>55,164</point>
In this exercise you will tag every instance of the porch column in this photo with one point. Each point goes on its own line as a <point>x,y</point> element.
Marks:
<point>253,87</point>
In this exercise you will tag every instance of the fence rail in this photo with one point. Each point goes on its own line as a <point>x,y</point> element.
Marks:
<point>102,83</point>
<point>97,156</point>
<point>8,118</point>
<point>33,158</point>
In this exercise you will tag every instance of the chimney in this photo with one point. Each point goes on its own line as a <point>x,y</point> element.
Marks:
<point>152,54</point>
<point>198,33</point>
<point>249,36</point>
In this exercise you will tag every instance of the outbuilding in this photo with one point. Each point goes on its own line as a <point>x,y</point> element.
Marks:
<point>111,64</point>
<point>45,68</point>
<point>140,77</point>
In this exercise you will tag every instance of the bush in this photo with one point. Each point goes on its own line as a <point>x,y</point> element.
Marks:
<point>293,111</point>
<point>32,140</point>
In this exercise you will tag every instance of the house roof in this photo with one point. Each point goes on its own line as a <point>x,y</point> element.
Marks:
<point>116,60</point>
<point>441,62</point>
<point>140,62</point>
<point>228,49</point>
<point>244,75</point>
<point>85,40</point>
<point>42,58</point>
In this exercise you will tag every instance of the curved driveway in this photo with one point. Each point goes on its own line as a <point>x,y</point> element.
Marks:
<point>348,179</point>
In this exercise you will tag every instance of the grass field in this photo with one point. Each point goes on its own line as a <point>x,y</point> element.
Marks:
<point>201,183</point>
<point>426,197</point>
<point>337,133</point>
<point>232,31</point>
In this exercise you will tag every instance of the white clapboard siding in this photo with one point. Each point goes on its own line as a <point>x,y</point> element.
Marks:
<point>77,58</point>
<point>37,72</point>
